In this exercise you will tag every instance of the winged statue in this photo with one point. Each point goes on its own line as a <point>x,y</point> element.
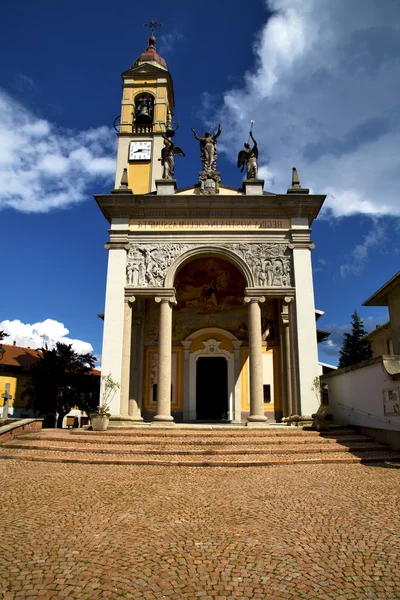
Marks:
<point>168,153</point>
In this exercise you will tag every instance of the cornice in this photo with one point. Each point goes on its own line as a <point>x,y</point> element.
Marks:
<point>193,206</point>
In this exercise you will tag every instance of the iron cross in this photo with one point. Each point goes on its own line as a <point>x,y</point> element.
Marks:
<point>153,24</point>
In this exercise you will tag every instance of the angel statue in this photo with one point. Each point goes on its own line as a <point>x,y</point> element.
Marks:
<point>168,153</point>
<point>208,149</point>
<point>249,157</point>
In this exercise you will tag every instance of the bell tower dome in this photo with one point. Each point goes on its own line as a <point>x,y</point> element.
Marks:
<point>146,114</point>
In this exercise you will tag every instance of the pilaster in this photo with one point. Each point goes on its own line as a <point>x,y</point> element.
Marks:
<point>114,311</point>
<point>305,314</point>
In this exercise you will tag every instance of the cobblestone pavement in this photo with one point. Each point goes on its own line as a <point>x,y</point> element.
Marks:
<point>73,531</point>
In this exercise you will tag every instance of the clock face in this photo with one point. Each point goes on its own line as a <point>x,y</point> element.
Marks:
<point>140,151</point>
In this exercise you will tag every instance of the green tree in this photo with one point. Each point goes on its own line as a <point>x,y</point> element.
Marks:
<point>354,348</point>
<point>60,380</point>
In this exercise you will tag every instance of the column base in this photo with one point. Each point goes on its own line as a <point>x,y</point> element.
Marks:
<point>124,421</point>
<point>257,424</point>
<point>163,420</point>
<point>126,418</point>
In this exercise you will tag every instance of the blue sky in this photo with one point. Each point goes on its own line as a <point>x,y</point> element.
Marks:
<point>320,78</point>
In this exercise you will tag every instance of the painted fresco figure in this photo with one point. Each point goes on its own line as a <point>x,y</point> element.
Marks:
<point>249,158</point>
<point>208,149</point>
<point>168,153</point>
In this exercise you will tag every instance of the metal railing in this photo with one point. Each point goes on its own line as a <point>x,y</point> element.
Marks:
<point>369,415</point>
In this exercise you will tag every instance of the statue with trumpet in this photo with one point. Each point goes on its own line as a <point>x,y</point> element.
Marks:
<point>249,157</point>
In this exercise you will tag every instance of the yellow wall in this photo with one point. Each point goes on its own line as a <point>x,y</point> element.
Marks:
<point>276,398</point>
<point>197,343</point>
<point>139,177</point>
<point>4,379</point>
<point>177,379</point>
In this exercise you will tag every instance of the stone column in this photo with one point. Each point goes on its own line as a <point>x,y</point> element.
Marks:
<point>136,353</point>
<point>164,361</point>
<point>237,403</point>
<point>187,408</point>
<point>255,357</point>
<point>287,363</point>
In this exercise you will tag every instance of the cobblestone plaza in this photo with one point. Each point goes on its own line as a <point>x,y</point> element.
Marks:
<point>77,531</point>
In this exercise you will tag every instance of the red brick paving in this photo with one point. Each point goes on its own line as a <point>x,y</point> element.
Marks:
<point>74,531</point>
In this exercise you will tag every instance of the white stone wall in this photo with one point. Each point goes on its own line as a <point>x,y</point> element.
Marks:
<point>356,396</point>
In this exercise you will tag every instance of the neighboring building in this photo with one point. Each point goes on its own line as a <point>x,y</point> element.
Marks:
<point>368,394</point>
<point>13,376</point>
<point>381,340</point>
<point>388,295</point>
<point>209,310</point>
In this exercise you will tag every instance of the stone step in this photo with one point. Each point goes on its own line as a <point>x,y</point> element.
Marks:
<point>190,450</point>
<point>7,453</point>
<point>95,438</point>
<point>244,432</point>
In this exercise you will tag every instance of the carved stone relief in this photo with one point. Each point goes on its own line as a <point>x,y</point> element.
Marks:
<point>271,264</point>
<point>147,264</point>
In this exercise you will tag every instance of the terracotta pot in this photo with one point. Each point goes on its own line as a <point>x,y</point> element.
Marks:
<point>100,423</point>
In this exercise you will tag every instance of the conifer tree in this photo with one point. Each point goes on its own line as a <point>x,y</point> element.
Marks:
<point>354,348</point>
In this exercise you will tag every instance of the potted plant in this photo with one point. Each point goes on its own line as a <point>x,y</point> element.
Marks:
<point>322,419</point>
<point>101,417</point>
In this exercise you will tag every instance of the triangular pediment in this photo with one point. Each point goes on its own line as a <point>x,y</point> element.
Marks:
<point>145,69</point>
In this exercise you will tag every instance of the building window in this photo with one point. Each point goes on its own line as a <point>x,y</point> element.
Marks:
<point>267,393</point>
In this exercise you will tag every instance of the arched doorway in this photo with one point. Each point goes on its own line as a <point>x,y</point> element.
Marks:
<point>211,311</point>
<point>212,388</point>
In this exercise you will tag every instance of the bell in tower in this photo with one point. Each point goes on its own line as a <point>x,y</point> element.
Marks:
<point>144,109</point>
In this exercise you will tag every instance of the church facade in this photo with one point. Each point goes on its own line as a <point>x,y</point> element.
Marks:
<point>209,311</point>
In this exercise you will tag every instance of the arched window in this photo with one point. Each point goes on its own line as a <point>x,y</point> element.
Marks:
<point>144,109</point>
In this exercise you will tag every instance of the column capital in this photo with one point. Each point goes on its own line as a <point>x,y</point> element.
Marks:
<point>254,299</point>
<point>288,299</point>
<point>164,299</point>
<point>116,245</point>
<point>131,300</point>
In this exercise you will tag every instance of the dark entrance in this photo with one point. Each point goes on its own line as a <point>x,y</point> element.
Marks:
<point>211,389</point>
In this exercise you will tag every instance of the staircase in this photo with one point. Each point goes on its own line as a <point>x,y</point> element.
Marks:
<point>198,447</point>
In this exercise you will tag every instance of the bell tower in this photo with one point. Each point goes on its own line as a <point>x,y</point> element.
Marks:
<point>146,114</point>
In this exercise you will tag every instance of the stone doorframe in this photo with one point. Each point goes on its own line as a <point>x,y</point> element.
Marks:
<point>211,349</point>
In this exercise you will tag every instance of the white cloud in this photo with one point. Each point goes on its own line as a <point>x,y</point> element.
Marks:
<point>359,254</point>
<point>168,41</point>
<point>43,167</point>
<point>324,95</point>
<point>36,335</point>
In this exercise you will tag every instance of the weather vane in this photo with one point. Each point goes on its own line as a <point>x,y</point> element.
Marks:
<point>153,24</point>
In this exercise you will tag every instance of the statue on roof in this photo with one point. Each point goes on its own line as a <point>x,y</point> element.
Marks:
<point>168,153</point>
<point>249,157</point>
<point>208,149</point>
